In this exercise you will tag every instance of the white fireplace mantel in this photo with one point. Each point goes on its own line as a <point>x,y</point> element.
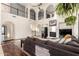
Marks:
<point>63,25</point>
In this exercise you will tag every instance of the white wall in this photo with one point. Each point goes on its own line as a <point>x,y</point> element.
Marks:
<point>0,24</point>
<point>21,25</point>
<point>75,28</point>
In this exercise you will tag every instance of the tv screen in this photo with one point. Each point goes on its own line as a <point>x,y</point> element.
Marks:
<point>52,34</point>
<point>63,32</point>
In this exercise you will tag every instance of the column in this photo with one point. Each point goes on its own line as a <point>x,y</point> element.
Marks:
<point>36,11</point>
<point>36,14</point>
<point>44,13</point>
<point>28,13</point>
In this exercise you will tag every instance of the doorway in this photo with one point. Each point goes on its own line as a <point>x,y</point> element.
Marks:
<point>8,31</point>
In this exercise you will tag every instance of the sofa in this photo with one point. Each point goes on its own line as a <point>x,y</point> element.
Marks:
<point>54,49</point>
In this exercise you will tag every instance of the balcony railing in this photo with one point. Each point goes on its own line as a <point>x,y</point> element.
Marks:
<point>15,11</point>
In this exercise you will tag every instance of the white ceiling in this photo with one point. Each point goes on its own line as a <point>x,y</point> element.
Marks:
<point>43,6</point>
<point>24,4</point>
<point>31,4</point>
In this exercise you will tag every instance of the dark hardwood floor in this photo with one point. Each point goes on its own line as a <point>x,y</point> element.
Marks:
<point>10,49</point>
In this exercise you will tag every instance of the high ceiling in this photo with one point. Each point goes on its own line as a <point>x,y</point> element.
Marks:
<point>31,4</point>
<point>50,7</point>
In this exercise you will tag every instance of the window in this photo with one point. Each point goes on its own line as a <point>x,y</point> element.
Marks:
<point>21,13</point>
<point>41,14</point>
<point>47,15</point>
<point>50,11</point>
<point>13,11</point>
<point>32,14</point>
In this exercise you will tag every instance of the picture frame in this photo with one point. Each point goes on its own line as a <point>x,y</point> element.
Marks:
<point>52,23</point>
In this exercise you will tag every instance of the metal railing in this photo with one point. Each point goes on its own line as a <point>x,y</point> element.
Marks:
<point>17,10</point>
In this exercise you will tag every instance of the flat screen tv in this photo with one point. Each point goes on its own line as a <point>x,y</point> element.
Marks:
<point>52,34</point>
<point>63,32</point>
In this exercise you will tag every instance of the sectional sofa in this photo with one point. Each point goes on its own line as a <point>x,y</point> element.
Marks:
<point>37,47</point>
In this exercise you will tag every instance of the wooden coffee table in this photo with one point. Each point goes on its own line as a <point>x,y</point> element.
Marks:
<point>10,49</point>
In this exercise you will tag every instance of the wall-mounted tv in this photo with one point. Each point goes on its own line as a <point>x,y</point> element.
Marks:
<point>63,32</point>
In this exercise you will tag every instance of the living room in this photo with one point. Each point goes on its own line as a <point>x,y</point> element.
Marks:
<point>42,21</point>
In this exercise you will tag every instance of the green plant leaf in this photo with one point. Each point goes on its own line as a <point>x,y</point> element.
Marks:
<point>70,20</point>
<point>66,8</point>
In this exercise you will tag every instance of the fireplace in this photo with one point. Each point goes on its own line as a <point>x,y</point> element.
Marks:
<point>63,32</point>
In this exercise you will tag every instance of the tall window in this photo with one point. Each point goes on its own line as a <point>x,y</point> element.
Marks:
<point>41,14</point>
<point>32,14</point>
<point>50,11</point>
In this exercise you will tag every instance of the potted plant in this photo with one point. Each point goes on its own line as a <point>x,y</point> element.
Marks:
<point>68,9</point>
<point>70,20</point>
